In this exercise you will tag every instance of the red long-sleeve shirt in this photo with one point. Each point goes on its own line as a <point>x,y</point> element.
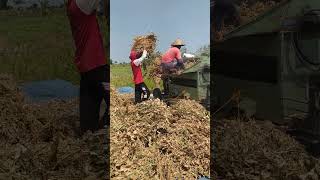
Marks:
<point>85,29</point>
<point>136,70</point>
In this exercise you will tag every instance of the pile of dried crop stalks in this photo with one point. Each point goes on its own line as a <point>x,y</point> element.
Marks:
<point>153,141</point>
<point>250,9</point>
<point>147,42</point>
<point>42,141</point>
<point>259,150</point>
<point>151,65</point>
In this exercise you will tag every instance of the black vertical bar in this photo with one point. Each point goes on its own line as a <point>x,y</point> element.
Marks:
<point>211,93</point>
<point>107,16</point>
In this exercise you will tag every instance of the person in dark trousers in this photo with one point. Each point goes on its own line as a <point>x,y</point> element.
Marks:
<point>171,61</point>
<point>220,10</point>
<point>90,61</point>
<point>141,90</point>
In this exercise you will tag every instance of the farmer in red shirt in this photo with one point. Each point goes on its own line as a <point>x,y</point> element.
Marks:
<point>90,61</point>
<point>140,87</point>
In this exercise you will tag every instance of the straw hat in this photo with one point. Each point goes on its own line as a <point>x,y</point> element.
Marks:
<point>178,42</point>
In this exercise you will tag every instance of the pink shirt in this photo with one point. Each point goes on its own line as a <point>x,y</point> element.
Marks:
<point>172,54</point>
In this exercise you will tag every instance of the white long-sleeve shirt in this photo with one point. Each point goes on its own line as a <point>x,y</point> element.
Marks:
<point>138,62</point>
<point>87,6</point>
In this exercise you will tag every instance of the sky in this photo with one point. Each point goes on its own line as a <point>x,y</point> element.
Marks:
<point>168,19</point>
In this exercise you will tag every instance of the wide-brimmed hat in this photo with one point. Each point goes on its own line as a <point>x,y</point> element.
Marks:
<point>178,42</point>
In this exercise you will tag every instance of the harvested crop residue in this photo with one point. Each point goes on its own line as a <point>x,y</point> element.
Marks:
<point>147,42</point>
<point>189,62</point>
<point>42,141</point>
<point>253,150</point>
<point>152,65</point>
<point>251,9</point>
<point>153,141</point>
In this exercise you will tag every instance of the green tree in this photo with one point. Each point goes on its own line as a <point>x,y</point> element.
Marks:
<point>204,51</point>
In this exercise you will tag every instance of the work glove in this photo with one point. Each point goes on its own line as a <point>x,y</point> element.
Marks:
<point>144,54</point>
<point>138,62</point>
<point>188,55</point>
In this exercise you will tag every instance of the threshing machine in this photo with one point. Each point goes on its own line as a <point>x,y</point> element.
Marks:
<point>193,82</point>
<point>274,62</point>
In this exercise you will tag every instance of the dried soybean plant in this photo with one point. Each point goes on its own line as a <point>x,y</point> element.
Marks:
<point>147,42</point>
<point>41,141</point>
<point>259,150</point>
<point>153,141</point>
<point>251,9</point>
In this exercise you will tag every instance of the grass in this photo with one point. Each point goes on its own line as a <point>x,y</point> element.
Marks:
<point>121,75</point>
<point>35,47</point>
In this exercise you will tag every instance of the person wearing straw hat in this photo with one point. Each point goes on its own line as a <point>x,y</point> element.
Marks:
<point>171,62</point>
<point>142,92</point>
<point>172,59</point>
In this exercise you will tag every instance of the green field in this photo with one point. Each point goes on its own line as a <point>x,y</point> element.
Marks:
<point>35,47</point>
<point>121,75</point>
